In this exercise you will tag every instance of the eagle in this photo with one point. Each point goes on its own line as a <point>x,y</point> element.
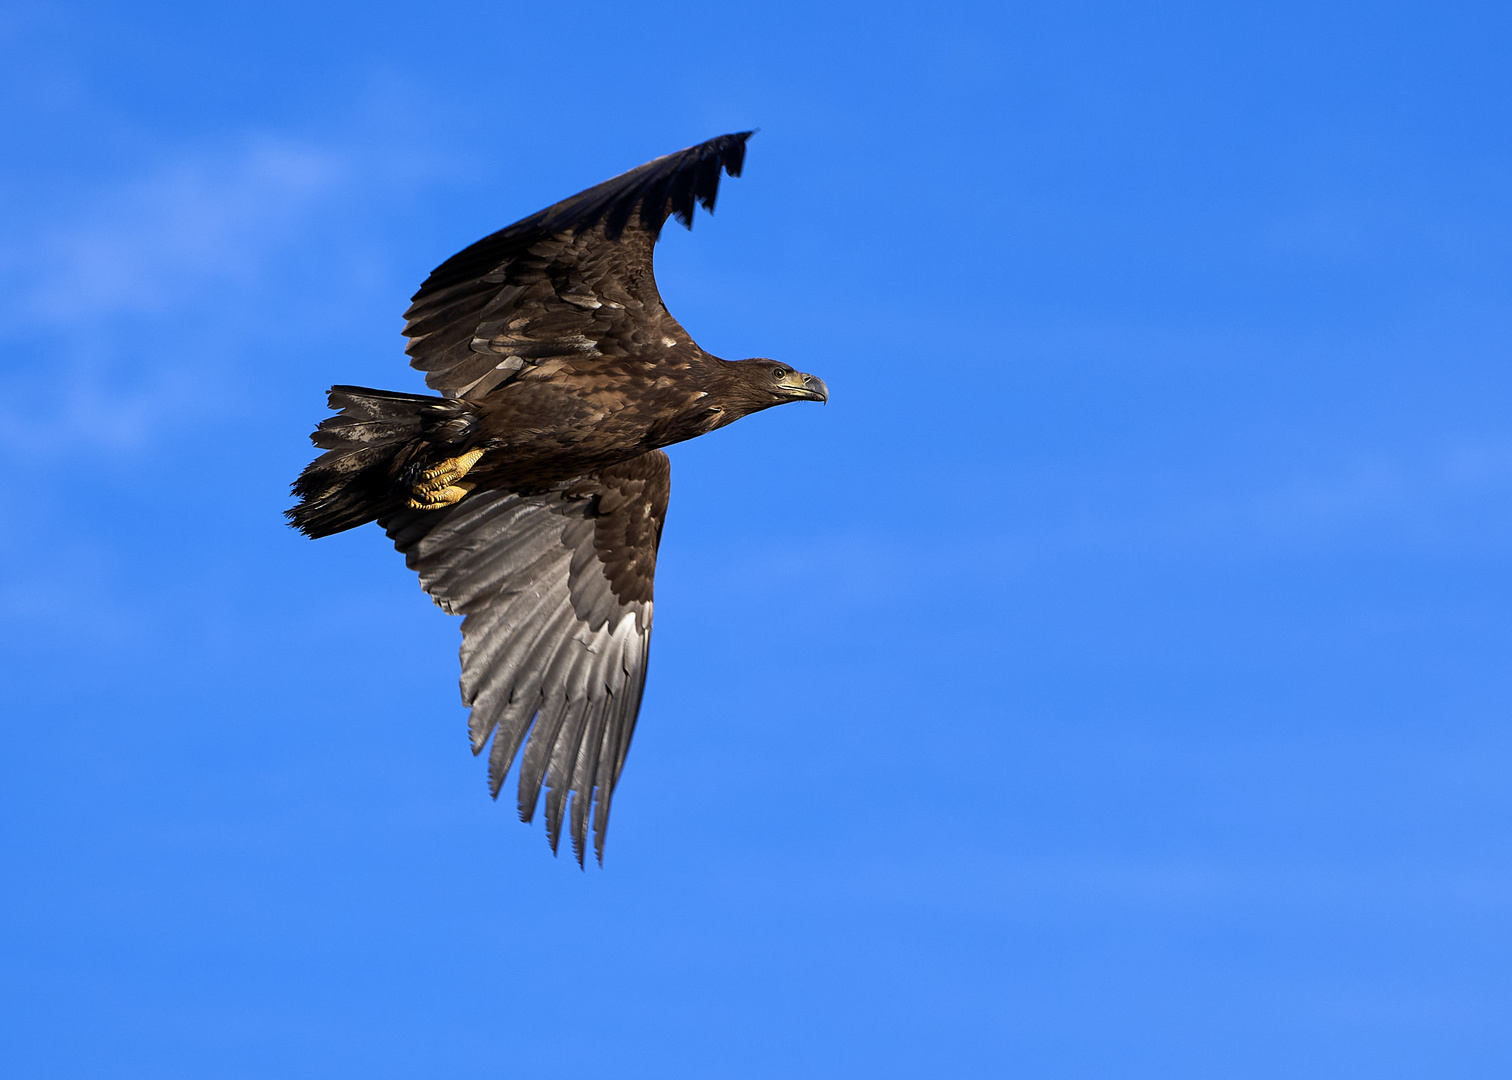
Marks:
<point>529,492</point>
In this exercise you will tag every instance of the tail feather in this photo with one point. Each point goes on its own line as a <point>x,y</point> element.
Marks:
<point>366,446</point>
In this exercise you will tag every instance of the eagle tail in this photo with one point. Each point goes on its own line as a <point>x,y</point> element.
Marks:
<point>366,445</point>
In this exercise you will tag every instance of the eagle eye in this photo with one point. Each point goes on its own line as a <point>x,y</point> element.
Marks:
<point>779,373</point>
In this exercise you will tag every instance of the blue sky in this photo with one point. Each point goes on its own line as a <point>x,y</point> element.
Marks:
<point>1112,681</point>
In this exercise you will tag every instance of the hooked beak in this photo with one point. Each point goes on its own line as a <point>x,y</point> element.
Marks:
<point>805,387</point>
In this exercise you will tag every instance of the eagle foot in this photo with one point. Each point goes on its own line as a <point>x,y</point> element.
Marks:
<point>440,486</point>
<point>439,498</point>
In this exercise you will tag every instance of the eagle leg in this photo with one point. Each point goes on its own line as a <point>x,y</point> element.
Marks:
<point>439,485</point>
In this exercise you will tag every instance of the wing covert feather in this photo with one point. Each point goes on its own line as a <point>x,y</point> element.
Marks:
<point>574,280</point>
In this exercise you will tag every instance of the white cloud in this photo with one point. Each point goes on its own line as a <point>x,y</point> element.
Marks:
<point>1447,498</point>
<point>159,239</point>
<point>89,294</point>
<point>1422,495</point>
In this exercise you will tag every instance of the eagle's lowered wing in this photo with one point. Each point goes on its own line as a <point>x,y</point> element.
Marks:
<point>556,594</point>
<point>570,282</point>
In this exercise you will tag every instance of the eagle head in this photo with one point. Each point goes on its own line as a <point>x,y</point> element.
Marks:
<point>762,382</point>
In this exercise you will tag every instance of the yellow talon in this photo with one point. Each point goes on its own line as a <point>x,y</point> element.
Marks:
<point>440,498</point>
<point>439,488</point>
<point>450,469</point>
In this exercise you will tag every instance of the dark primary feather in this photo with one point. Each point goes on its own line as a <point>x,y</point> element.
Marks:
<point>573,280</point>
<point>555,589</point>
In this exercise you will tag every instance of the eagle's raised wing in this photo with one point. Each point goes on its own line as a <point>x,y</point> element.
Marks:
<point>555,590</point>
<point>571,282</point>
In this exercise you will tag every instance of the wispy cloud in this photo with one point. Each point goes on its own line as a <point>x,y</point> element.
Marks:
<point>1450,498</point>
<point>158,240</point>
<point>1415,494</point>
<point>1384,231</point>
<point>86,290</point>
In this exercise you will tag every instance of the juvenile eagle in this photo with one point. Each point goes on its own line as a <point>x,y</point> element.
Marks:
<point>530,496</point>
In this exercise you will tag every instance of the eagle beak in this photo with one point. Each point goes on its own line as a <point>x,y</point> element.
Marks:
<point>805,387</point>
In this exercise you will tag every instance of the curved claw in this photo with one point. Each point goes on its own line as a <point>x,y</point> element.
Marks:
<point>439,498</point>
<point>439,486</point>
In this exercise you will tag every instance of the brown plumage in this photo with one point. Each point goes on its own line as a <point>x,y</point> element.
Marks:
<point>530,496</point>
